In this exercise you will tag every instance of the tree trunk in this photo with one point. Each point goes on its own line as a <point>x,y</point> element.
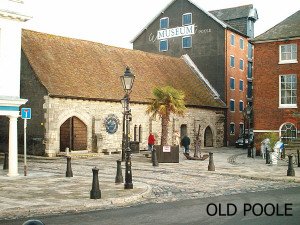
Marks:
<point>164,131</point>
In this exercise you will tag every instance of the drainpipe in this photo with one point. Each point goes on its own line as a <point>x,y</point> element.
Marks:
<point>225,92</point>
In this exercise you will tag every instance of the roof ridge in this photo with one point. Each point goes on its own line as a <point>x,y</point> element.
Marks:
<point>231,7</point>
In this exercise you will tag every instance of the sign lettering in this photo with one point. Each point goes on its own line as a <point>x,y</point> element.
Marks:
<point>176,32</point>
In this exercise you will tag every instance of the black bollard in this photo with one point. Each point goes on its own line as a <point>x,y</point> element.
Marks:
<point>5,163</point>
<point>249,150</point>
<point>298,155</point>
<point>69,172</point>
<point>95,192</point>
<point>253,151</point>
<point>211,166</point>
<point>154,157</point>
<point>33,222</point>
<point>267,156</point>
<point>290,171</point>
<point>119,177</point>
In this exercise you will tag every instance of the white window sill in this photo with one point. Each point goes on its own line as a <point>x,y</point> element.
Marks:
<point>288,62</point>
<point>288,107</point>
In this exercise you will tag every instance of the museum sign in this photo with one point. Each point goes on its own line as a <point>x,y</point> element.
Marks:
<point>176,32</point>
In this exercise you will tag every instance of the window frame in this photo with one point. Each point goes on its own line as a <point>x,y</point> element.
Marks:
<point>232,39</point>
<point>232,57</point>
<point>288,130</point>
<point>241,109</point>
<point>242,44</point>
<point>241,84</point>
<point>186,24</point>
<point>230,125</point>
<point>286,61</point>
<point>232,83</point>
<point>168,23</point>
<point>232,101</point>
<point>167,42</point>
<point>241,127</point>
<point>292,105</point>
<point>190,41</point>
<point>241,60</point>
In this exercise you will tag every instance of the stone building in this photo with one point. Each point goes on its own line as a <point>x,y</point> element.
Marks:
<point>277,71</point>
<point>217,42</point>
<point>73,87</point>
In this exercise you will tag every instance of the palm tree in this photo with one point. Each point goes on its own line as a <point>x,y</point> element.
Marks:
<point>166,100</point>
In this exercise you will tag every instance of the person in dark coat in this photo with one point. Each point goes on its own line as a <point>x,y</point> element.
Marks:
<point>185,142</point>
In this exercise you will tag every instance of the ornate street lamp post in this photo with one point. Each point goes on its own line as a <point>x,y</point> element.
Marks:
<point>247,114</point>
<point>123,101</point>
<point>127,82</point>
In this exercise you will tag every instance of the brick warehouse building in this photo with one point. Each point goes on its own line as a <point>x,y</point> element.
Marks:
<point>74,88</point>
<point>276,85</point>
<point>217,42</point>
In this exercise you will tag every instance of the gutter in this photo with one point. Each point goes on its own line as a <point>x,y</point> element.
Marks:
<point>274,40</point>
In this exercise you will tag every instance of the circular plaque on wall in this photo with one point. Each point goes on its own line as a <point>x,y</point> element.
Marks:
<point>111,123</point>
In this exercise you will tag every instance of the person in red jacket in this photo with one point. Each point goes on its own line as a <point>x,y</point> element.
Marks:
<point>151,141</point>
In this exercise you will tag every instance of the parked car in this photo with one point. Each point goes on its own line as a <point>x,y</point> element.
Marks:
<point>240,141</point>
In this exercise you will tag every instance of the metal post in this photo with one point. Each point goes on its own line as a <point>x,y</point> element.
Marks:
<point>128,173</point>
<point>249,145</point>
<point>211,166</point>
<point>123,138</point>
<point>5,163</point>
<point>267,156</point>
<point>69,172</point>
<point>25,148</point>
<point>298,156</point>
<point>154,157</point>
<point>290,171</point>
<point>135,133</point>
<point>140,133</point>
<point>95,192</point>
<point>119,177</point>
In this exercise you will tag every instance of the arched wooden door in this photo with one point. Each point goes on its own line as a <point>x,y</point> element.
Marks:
<point>208,137</point>
<point>73,134</point>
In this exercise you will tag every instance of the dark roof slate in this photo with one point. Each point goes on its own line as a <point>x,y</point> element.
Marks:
<point>232,13</point>
<point>288,28</point>
<point>74,68</point>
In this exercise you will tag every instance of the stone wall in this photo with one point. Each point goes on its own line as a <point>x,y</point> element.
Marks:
<point>94,113</point>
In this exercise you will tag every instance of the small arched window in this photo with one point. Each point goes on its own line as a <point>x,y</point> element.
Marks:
<point>288,132</point>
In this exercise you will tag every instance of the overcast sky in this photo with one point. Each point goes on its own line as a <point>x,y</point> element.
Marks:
<point>117,22</point>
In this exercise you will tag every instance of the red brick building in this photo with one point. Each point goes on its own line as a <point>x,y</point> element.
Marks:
<point>217,43</point>
<point>277,73</point>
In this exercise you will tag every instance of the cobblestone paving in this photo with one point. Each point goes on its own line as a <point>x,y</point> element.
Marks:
<point>47,187</point>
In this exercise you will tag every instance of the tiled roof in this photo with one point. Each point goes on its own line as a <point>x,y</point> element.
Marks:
<point>288,28</point>
<point>232,13</point>
<point>74,68</point>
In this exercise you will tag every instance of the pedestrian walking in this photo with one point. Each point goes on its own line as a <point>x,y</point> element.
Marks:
<point>151,141</point>
<point>185,142</point>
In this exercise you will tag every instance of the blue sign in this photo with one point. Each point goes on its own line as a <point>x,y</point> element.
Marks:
<point>26,113</point>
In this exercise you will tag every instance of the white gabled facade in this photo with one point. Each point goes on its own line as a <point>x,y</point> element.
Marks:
<point>11,19</point>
